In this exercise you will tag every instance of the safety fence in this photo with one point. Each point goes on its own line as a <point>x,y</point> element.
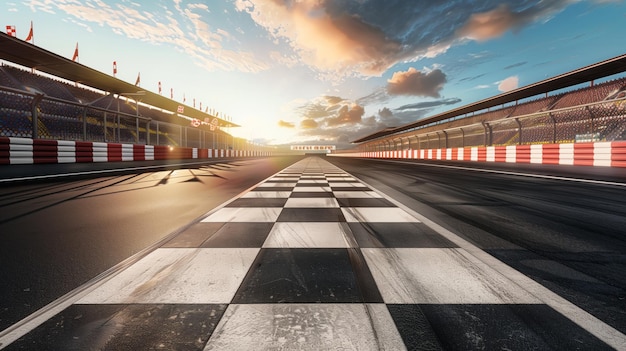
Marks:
<point>31,151</point>
<point>592,122</point>
<point>607,154</point>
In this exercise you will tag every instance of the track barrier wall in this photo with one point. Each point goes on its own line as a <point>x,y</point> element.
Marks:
<point>30,151</point>
<point>604,154</point>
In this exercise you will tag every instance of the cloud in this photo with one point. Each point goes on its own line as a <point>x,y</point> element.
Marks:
<point>416,83</point>
<point>510,83</point>
<point>347,115</point>
<point>347,38</point>
<point>346,120</point>
<point>185,28</point>
<point>308,124</point>
<point>515,65</point>
<point>429,104</point>
<point>285,124</point>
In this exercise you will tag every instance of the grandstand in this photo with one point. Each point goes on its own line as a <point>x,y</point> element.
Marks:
<point>555,111</point>
<point>45,96</point>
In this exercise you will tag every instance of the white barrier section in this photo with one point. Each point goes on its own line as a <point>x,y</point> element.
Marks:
<point>602,154</point>
<point>511,153</point>
<point>149,152</point>
<point>566,154</point>
<point>536,153</point>
<point>127,152</point>
<point>66,151</point>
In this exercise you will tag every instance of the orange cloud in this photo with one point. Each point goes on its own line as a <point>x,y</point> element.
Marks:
<point>488,25</point>
<point>308,124</point>
<point>284,124</point>
<point>511,83</point>
<point>338,43</point>
<point>414,82</point>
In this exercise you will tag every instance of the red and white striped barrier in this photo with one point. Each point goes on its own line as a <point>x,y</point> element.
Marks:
<point>605,154</point>
<point>29,151</point>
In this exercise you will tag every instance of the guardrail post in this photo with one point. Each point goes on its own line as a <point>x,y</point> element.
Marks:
<point>519,131</point>
<point>148,132</point>
<point>35,115</point>
<point>488,133</point>
<point>84,116</point>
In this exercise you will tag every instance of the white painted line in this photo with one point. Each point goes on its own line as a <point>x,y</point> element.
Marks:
<point>266,195</point>
<point>357,194</point>
<point>306,235</point>
<point>439,276</point>
<point>312,202</point>
<point>178,276</point>
<point>377,214</point>
<point>530,175</point>
<point>292,326</point>
<point>102,171</point>
<point>244,214</point>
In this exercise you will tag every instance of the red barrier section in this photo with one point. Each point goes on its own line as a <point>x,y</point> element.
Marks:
<point>454,155</point>
<point>161,152</point>
<point>522,154</point>
<point>618,154</point>
<point>84,151</point>
<point>583,154</point>
<point>500,153</point>
<point>482,154</point>
<point>5,154</point>
<point>139,152</point>
<point>114,152</point>
<point>44,151</point>
<point>467,154</point>
<point>203,153</point>
<point>551,154</point>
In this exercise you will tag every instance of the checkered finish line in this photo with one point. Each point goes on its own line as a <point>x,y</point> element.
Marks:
<point>310,259</point>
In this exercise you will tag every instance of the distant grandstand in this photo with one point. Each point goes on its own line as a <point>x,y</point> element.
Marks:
<point>547,112</point>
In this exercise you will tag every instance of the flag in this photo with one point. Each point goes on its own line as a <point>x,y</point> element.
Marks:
<point>11,31</point>
<point>75,57</point>
<point>200,106</point>
<point>159,87</point>
<point>114,68</point>
<point>171,93</point>
<point>138,81</point>
<point>30,36</point>
<point>184,98</point>
<point>194,102</point>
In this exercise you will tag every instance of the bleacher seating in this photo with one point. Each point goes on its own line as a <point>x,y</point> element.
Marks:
<point>533,106</point>
<point>82,117</point>
<point>39,83</point>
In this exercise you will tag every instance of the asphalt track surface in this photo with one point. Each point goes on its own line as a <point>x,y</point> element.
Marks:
<point>564,227</point>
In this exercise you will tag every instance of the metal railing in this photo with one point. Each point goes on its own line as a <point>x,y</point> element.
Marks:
<point>38,116</point>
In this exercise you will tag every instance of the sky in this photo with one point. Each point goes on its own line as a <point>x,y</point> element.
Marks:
<point>326,71</point>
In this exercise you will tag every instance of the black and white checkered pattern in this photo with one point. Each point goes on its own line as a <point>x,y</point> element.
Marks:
<point>310,259</point>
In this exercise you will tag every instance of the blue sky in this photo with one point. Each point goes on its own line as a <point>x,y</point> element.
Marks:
<point>326,71</point>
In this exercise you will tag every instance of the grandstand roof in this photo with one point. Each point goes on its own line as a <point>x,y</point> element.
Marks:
<point>582,75</point>
<point>31,56</point>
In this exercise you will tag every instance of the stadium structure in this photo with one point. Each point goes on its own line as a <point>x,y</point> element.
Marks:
<point>568,119</point>
<point>54,110</point>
